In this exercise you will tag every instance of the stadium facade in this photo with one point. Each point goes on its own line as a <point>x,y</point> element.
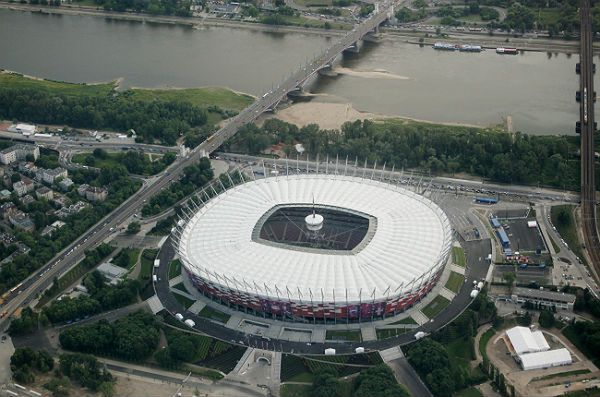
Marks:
<point>314,248</point>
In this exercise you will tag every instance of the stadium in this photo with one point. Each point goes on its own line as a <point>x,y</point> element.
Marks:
<point>315,248</point>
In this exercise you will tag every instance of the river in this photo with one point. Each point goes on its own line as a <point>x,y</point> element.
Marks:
<point>391,77</point>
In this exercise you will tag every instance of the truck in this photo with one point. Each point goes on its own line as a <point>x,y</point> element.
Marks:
<point>154,278</point>
<point>330,352</point>
<point>179,316</point>
<point>190,323</point>
<point>156,263</point>
<point>420,335</point>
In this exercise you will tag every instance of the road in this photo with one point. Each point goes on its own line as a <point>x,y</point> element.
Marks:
<point>68,257</point>
<point>586,113</point>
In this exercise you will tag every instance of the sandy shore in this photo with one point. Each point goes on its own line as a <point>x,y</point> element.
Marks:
<point>330,115</point>
<point>326,115</point>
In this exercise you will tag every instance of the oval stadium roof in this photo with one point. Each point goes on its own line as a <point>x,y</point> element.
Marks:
<point>413,237</point>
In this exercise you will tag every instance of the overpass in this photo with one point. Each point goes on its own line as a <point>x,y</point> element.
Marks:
<point>587,127</point>
<point>25,292</point>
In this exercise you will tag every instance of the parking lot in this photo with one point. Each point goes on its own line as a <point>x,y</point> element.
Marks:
<point>523,238</point>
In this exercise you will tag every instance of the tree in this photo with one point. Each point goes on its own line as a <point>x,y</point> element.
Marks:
<point>378,381</point>
<point>509,278</point>
<point>546,319</point>
<point>325,383</point>
<point>133,227</point>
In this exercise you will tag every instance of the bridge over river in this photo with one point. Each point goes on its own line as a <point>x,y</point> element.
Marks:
<point>269,101</point>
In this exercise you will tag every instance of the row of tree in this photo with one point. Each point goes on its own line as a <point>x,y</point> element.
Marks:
<point>495,155</point>
<point>154,121</point>
<point>133,338</point>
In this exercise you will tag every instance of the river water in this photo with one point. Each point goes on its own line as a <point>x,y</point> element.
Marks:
<point>536,89</point>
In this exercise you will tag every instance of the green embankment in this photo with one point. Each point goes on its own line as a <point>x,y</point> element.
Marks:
<point>455,281</point>
<point>203,97</point>
<point>562,218</point>
<point>438,304</point>
<point>18,81</point>
<point>458,256</point>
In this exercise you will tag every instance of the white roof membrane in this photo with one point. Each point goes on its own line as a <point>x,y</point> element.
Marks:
<point>412,238</point>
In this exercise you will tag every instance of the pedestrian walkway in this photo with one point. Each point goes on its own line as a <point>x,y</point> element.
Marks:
<point>368,333</point>
<point>390,354</point>
<point>446,293</point>
<point>419,317</point>
<point>197,307</point>
<point>241,364</point>
<point>180,292</point>
<point>155,304</point>
<point>457,269</point>
<point>175,280</point>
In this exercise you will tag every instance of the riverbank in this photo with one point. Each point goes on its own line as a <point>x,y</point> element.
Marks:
<point>331,116</point>
<point>412,37</point>
<point>191,22</point>
<point>203,97</point>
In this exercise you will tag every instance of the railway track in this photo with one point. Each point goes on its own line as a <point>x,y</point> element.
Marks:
<point>588,127</point>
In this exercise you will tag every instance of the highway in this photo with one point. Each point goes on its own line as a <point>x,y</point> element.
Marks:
<point>587,99</point>
<point>69,256</point>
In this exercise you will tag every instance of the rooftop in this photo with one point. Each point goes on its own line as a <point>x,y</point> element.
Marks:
<point>544,294</point>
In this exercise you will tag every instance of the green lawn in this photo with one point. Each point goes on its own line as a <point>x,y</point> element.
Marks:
<point>148,256</point>
<point>455,281</point>
<point>184,300</point>
<point>458,256</point>
<point>484,340</point>
<point>174,269</point>
<point>313,3</point>
<point>567,230</point>
<point>470,392</point>
<point>202,97</point>
<point>13,80</point>
<point>406,320</point>
<point>349,335</point>
<point>390,332</point>
<point>214,314</point>
<point>180,287</point>
<point>438,304</point>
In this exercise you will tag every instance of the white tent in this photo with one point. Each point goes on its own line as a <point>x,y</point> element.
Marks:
<point>523,340</point>
<point>546,359</point>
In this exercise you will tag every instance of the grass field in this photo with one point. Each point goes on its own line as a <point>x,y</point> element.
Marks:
<point>406,320</point>
<point>455,281</point>
<point>180,287</point>
<point>184,300</point>
<point>484,340</point>
<point>390,332</point>
<point>434,307</point>
<point>568,231</point>
<point>214,314</point>
<point>348,335</point>
<point>202,97</point>
<point>458,256</point>
<point>314,3</point>
<point>10,80</point>
<point>174,269</point>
